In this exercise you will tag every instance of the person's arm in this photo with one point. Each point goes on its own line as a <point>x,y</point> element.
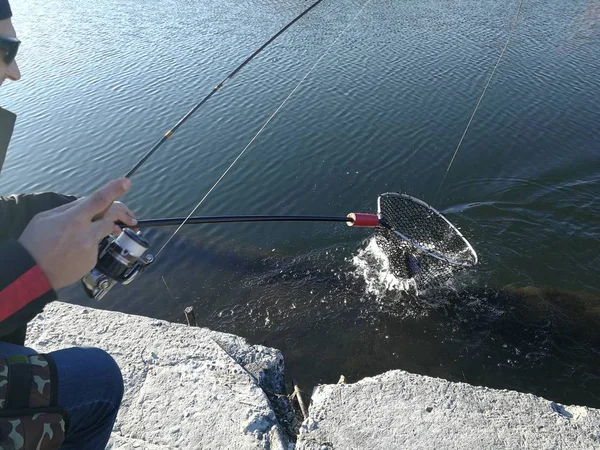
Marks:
<point>56,249</point>
<point>17,211</point>
<point>24,289</point>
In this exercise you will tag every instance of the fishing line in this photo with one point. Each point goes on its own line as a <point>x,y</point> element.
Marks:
<point>510,33</point>
<point>264,126</point>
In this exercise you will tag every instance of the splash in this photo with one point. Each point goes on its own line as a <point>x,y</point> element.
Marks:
<point>392,274</point>
<point>374,266</point>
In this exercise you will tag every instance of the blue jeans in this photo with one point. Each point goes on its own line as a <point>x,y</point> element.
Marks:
<point>90,388</point>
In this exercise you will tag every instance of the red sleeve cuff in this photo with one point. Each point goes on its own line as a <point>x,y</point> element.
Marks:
<point>24,288</point>
<point>30,286</point>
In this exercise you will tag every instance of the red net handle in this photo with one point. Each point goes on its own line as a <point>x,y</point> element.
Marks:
<point>363,220</point>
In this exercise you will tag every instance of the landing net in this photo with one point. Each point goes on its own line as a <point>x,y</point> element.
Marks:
<point>420,243</point>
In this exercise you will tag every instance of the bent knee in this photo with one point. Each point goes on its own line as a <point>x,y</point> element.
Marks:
<point>93,369</point>
<point>107,364</point>
<point>104,360</point>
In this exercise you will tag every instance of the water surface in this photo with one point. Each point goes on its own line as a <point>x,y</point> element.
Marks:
<point>383,111</point>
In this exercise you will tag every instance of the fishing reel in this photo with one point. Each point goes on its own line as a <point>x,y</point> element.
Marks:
<point>120,260</point>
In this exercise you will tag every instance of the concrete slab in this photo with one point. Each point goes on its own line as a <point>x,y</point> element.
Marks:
<point>399,410</point>
<point>185,387</point>
<point>192,388</point>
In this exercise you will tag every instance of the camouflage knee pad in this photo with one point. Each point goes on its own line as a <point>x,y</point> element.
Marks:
<point>29,414</point>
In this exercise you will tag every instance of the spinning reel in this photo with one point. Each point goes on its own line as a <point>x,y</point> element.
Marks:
<point>120,260</point>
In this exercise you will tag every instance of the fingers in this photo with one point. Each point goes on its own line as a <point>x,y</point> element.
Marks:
<point>100,201</point>
<point>118,212</point>
<point>102,228</point>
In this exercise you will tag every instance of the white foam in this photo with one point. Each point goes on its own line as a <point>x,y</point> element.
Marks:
<point>373,265</point>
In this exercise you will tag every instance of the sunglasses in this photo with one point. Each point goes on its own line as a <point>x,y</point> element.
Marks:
<point>9,47</point>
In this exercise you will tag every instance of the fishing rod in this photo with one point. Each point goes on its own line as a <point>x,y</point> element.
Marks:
<point>264,126</point>
<point>407,219</point>
<point>218,87</point>
<point>123,258</point>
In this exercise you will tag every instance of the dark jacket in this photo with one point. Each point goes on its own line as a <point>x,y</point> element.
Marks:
<point>29,414</point>
<point>24,289</point>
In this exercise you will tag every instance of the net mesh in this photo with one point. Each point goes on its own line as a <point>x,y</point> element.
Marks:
<point>421,245</point>
<point>425,229</point>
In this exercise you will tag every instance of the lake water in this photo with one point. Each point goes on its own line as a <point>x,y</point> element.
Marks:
<point>383,111</point>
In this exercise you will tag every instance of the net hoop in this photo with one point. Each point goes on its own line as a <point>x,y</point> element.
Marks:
<point>420,247</point>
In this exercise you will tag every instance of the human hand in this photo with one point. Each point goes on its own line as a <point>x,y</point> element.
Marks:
<point>64,241</point>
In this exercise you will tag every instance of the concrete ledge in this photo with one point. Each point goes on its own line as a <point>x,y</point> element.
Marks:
<point>399,410</point>
<point>191,388</point>
<point>184,387</point>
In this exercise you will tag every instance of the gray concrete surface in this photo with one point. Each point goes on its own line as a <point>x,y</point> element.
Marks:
<point>184,387</point>
<point>399,410</point>
<point>192,388</point>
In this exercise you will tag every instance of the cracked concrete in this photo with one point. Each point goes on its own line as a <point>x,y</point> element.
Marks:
<point>184,387</point>
<point>407,411</point>
<point>192,388</point>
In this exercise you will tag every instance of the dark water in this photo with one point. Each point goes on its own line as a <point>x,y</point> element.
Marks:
<point>383,111</point>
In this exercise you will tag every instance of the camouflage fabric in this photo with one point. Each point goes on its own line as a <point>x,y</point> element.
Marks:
<point>40,394</point>
<point>41,425</point>
<point>3,381</point>
<point>42,431</point>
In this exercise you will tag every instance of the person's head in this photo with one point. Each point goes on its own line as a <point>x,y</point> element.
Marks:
<point>8,45</point>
